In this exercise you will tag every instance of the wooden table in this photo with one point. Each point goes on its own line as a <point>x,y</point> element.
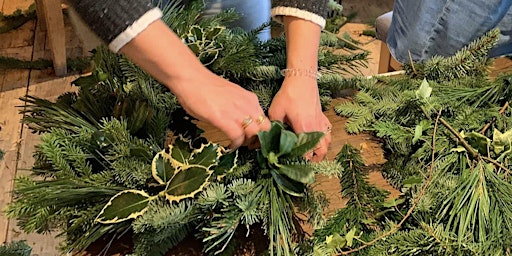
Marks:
<point>51,19</point>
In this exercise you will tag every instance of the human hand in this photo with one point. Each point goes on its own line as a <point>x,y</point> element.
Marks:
<point>298,104</point>
<point>225,105</point>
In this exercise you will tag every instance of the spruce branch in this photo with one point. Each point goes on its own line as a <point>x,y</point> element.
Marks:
<point>416,200</point>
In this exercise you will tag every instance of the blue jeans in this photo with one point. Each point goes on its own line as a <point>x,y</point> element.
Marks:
<point>426,28</point>
<point>253,13</point>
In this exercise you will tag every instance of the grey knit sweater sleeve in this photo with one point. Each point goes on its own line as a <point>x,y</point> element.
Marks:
<point>312,10</point>
<point>318,7</point>
<point>109,19</point>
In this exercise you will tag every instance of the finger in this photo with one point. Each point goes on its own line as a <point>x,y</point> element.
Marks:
<point>276,114</point>
<point>320,152</point>
<point>233,131</point>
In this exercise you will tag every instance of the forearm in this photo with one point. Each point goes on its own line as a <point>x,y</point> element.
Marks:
<point>162,54</point>
<point>314,11</point>
<point>302,42</point>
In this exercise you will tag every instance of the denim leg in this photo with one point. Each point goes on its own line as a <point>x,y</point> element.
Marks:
<point>441,27</point>
<point>253,13</point>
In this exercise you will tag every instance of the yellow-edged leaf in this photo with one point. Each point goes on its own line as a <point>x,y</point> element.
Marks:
<point>162,167</point>
<point>128,204</point>
<point>187,182</point>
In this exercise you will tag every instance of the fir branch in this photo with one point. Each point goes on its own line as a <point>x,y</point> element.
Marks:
<point>427,182</point>
<point>16,248</point>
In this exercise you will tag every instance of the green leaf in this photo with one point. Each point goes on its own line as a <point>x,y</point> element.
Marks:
<point>417,133</point>
<point>180,151</point>
<point>269,141</point>
<point>128,204</point>
<point>187,182</point>
<point>303,173</point>
<point>206,156</point>
<point>501,140</point>
<point>335,241</point>
<point>305,143</point>
<point>349,237</point>
<point>227,163</point>
<point>411,181</point>
<point>287,185</point>
<point>162,167</point>
<point>424,91</point>
<point>477,141</point>
<point>393,202</point>
<point>287,141</point>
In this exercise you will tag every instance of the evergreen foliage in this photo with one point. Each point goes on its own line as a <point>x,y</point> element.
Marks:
<point>453,169</point>
<point>122,140</point>
<point>17,248</point>
<point>17,19</point>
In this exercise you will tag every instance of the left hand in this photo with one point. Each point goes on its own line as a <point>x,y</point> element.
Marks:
<point>298,104</point>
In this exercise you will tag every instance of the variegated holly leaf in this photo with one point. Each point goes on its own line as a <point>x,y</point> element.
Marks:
<point>227,164</point>
<point>305,143</point>
<point>181,151</point>
<point>187,182</point>
<point>162,168</point>
<point>206,156</point>
<point>303,173</point>
<point>183,154</point>
<point>128,204</point>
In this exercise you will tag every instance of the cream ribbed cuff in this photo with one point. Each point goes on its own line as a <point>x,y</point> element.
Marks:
<point>133,30</point>
<point>280,11</point>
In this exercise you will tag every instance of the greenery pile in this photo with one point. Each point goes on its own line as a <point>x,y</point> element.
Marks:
<point>17,248</point>
<point>121,157</point>
<point>446,128</point>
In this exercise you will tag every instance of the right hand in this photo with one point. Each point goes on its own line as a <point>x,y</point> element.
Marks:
<point>223,104</point>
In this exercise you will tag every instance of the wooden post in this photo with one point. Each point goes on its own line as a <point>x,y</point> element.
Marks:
<point>54,21</point>
<point>384,58</point>
<point>41,20</point>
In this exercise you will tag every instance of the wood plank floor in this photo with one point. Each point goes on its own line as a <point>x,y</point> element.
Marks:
<point>29,43</point>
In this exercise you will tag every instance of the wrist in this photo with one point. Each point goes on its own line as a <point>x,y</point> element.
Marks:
<point>310,73</point>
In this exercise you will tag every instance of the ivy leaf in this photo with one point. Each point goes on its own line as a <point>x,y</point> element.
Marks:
<point>206,156</point>
<point>349,237</point>
<point>393,203</point>
<point>162,168</point>
<point>287,141</point>
<point>424,91</point>
<point>477,141</point>
<point>305,143</point>
<point>417,133</point>
<point>187,182</point>
<point>335,241</point>
<point>501,140</point>
<point>269,141</point>
<point>128,204</point>
<point>298,172</point>
<point>287,185</point>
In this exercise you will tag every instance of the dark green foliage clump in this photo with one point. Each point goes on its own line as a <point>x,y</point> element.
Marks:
<point>17,248</point>
<point>17,19</point>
